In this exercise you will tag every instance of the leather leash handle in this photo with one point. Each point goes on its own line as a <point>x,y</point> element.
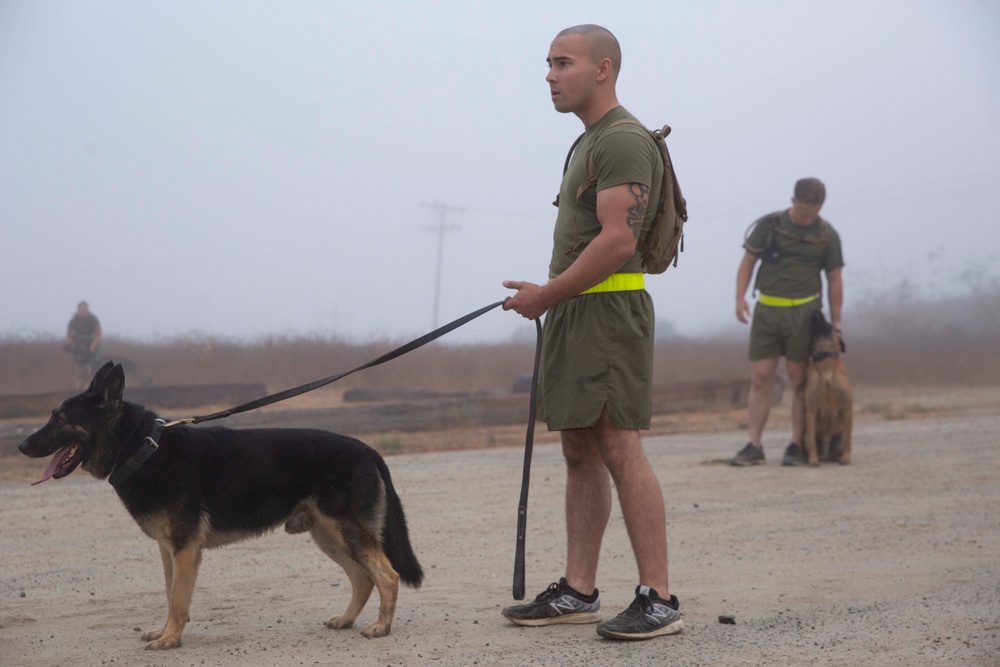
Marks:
<point>522,508</point>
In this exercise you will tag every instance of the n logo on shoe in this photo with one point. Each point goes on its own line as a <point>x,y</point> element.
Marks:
<point>658,614</point>
<point>563,605</point>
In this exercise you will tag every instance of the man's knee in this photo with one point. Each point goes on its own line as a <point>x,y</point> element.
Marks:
<point>762,377</point>
<point>621,451</point>
<point>579,448</point>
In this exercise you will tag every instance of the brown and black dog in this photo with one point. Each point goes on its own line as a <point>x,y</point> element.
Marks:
<point>828,402</point>
<point>193,488</point>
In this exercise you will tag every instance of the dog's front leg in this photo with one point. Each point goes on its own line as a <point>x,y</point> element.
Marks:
<point>812,453</point>
<point>180,589</point>
<point>168,576</point>
<point>845,449</point>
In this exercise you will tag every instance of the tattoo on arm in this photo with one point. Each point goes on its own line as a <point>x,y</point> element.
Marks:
<point>637,211</point>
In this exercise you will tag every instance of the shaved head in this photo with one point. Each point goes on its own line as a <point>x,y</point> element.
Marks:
<point>602,44</point>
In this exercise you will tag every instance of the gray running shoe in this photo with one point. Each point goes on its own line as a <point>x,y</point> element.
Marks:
<point>559,603</point>
<point>750,455</point>
<point>794,455</point>
<point>648,616</point>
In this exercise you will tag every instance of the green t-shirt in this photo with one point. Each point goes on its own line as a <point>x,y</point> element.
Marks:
<point>84,327</point>
<point>623,154</point>
<point>802,253</point>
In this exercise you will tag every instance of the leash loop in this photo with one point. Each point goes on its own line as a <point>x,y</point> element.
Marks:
<point>529,438</point>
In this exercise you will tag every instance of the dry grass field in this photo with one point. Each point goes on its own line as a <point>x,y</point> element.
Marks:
<point>897,336</point>
<point>39,364</point>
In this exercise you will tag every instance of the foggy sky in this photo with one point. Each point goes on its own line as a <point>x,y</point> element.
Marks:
<point>244,169</point>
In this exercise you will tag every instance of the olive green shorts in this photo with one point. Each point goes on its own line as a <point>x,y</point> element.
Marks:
<point>778,331</point>
<point>597,353</point>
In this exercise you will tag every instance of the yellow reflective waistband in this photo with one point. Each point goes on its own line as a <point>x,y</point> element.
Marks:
<point>783,302</point>
<point>619,282</point>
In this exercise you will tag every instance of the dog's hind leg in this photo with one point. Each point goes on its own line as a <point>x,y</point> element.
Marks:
<point>328,537</point>
<point>361,589</point>
<point>386,579</point>
<point>180,589</point>
<point>367,566</point>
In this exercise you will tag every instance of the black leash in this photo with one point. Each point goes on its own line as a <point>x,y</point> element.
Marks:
<point>302,389</point>
<point>529,438</point>
<point>150,445</point>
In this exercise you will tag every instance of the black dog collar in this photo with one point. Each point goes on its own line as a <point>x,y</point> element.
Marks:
<point>149,445</point>
<point>820,356</point>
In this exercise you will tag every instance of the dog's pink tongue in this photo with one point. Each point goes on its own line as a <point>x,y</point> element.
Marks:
<point>54,464</point>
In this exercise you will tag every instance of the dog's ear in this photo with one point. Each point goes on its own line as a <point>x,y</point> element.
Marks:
<point>102,372</point>
<point>843,345</point>
<point>112,383</point>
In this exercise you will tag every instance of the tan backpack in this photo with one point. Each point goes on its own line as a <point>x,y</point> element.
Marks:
<point>665,238</point>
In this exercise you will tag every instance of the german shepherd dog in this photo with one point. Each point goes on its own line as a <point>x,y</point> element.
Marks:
<point>828,402</point>
<point>206,487</point>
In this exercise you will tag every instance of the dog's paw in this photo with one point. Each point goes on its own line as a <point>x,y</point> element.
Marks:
<point>376,629</point>
<point>150,635</point>
<point>339,623</point>
<point>164,643</point>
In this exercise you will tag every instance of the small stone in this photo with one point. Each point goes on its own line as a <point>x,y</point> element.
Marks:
<point>727,620</point>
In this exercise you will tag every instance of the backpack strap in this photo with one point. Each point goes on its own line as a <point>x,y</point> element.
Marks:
<point>771,219</point>
<point>819,238</point>
<point>569,156</point>
<point>591,179</point>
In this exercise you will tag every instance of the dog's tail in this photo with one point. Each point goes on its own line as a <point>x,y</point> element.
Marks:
<point>395,536</point>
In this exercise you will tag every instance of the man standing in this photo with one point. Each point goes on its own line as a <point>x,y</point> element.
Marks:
<point>84,329</point>
<point>793,246</point>
<point>596,377</point>
<point>83,339</point>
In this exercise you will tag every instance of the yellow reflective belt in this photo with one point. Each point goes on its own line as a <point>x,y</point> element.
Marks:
<point>783,302</point>
<point>619,282</point>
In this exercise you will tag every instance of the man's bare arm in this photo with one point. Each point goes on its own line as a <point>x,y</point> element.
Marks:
<point>743,275</point>
<point>620,210</point>
<point>835,294</point>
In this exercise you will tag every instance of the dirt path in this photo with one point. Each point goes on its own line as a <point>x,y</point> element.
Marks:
<point>890,561</point>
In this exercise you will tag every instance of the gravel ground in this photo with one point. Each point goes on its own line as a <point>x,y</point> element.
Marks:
<point>894,560</point>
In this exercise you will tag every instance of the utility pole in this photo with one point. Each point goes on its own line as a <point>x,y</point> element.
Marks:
<point>441,228</point>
